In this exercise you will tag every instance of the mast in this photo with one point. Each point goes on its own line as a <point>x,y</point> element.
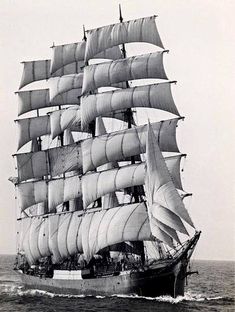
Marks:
<point>129,119</point>
<point>129,114</point>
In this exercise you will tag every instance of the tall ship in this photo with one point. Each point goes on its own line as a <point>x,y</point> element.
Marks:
<point>98,187</point>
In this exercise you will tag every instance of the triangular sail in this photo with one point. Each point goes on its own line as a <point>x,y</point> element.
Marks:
<point>164,203</point>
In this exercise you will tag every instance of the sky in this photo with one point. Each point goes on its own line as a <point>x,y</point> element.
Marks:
<point>200,37</point>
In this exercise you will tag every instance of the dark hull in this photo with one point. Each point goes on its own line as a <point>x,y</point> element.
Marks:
<point>164,279</point>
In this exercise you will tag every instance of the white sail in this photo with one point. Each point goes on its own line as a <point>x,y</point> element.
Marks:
<point>54,221</point>
<point>139,30</point>
<point>40,70</point>
<point>60,85</point>
<point>52,162</point>
<point>33,238</point>
<point>136,67</point>
<point>74,240</point>
<point>157,96</point>
<point>108,200</point>
<point>119,145</point>
<point>43,238</point>
<point>62,190</point>
<point>36,99</point>
<point>61,120</point>
<point>164,202</point>
<point>75,52</point>
<point>31,193</point>
<point>24,248</point>
<point>31,128</point>
<point>107,227</point>
<point>62,234</point>
<point>97,184</point>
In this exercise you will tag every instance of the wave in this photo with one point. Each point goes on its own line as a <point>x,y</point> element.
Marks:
<point>187,297</point>
<point>20,291</point>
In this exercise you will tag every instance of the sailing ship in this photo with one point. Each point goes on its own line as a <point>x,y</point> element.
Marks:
<point>100,197</point>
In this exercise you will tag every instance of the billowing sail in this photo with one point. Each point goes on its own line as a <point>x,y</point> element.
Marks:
<point>33,238</point>
<point>40,70</point>
<point>24,249</point>
<point>74,235</point>
<point>52,162</point>
<point>97,184</point>
<point>117,146</point>
<point>136,67</point>
<point>36,99</point>
<point>153,96</point>
<point>108,200</point>
<point>164,202</point>
<point>107,227</point>
<point>31,193</point>
<point>62,190</point>
<point>61,120</point>
<point>43,238</point>
<point>60,85</point>
<point>31,128</point>
<point>138,30</point>
<point>62,234</point>
<point>75,52</point>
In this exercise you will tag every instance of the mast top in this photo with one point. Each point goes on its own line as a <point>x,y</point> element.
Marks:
<point>84,33</point>
<point>120,14</point>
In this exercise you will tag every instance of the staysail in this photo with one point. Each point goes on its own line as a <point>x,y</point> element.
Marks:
<point>164,203</point>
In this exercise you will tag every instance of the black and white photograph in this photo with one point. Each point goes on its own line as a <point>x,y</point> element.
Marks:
<point>117,155</point>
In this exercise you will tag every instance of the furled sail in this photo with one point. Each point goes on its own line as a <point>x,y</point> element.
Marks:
<point>139,30</point>
<point>136,67</point>
<point>51,162</point>
<point>40,70</point>
<point>97,184</point>
<point>75,52</point>
<point>36,99</point>
<point>117,146</point>
<point>157,96</point>
<point>32,128</point>
<point>164,202</point>
<point>107,227</point>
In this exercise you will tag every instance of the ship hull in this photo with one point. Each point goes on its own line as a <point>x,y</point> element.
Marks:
<point>152,282</point>
<point>164,278</point>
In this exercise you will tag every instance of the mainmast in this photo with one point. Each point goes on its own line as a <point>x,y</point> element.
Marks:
<point>128,117</point>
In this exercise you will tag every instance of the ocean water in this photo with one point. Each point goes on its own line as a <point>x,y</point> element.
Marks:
<point>211,290</point>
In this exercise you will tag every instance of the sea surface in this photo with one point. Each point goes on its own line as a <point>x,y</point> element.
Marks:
<point>211,290</point>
